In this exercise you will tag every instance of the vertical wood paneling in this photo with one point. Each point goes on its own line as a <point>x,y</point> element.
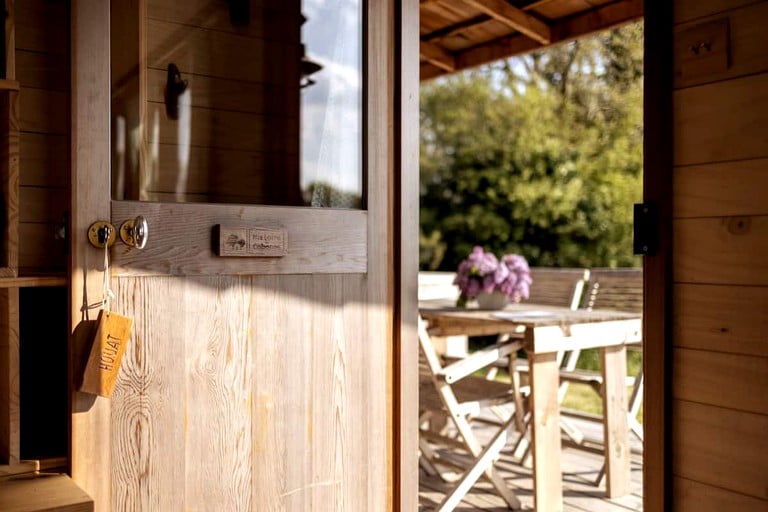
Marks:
<point>721,447</point>
<point>90,457</point>
<point>9,377</point>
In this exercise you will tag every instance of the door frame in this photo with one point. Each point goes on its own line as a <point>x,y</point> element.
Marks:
<point>658,147</point>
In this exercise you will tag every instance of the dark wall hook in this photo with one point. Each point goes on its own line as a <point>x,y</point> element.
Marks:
<point>174,87</point>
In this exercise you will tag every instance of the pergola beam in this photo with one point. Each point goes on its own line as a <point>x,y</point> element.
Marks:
<point>514,18</point>
<point>437,56</point>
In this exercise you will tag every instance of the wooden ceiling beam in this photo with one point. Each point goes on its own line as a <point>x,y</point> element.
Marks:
<point>514,18</point>
<point>601,18</point>
<point>437,56</point>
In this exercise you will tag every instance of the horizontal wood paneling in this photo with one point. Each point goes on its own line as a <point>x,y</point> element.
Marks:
<point>728,250</point>
<point>223,129</point>
<point>39,249</point>
<point>747,41</point>
<point>266,17</point>
<point>42,26</point>
<point>43,204</point>
<point>44,111</point>
<point>698,497</point>
<point>725,380</point>
<point>721,318</point>
<point>686,10</point>
<point>215,93</point>
<point>42,70</point>
<point>219,54</point>
<point>721,447</point>
<point>44,160</point>
<point>722,189</point>
<point>719,122</point>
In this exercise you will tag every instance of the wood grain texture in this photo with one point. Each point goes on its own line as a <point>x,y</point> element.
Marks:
<point>39,250</point>
<point>724,380</point>
<point>43,204</point>
<point>719,122</point>
<point>405,371</point>
<point>90,456</point>
<point>180,238</point>
<point>721,189</point>
<point>686,10</point>
<point>44,111</point>
<point>10,416</point>
<point>9,180</point>
<point>41,26</point>
<point>692,495</point>
<point>39,70</point>
<point>613,363</point>
<point>745,45</point>
<point>548,485</point>
<point>43,493</point>
<point>720,447</point>
<point>734,252</point>
<point>218,54</point>
<point>264,376</point>
<point>46,160</point>
<point>729,319</point>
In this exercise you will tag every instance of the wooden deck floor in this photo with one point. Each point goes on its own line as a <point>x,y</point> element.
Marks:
<point>580,494</point>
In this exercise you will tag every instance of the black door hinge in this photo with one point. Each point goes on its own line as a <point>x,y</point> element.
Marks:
<point>646,229</point>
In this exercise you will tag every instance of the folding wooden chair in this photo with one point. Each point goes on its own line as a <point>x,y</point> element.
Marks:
<point>453,390</point>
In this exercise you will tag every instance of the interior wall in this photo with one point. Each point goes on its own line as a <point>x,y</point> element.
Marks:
<point>720,230</point>
<point>42,68</point>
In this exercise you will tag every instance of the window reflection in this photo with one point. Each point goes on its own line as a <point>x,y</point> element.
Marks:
<point>238,101</point>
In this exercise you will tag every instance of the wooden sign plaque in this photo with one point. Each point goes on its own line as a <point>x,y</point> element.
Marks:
<point>252,242</point>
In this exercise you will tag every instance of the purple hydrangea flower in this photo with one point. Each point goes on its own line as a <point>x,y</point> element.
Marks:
<point>482,272</point>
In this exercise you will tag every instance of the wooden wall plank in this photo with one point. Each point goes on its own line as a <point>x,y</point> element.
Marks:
<point>710,378</point>
<point>42,70</point>
<point>43,204</point>
<point>10,415</point>
<point>39,250</point>
<point>721,189</point>
<point>729,319</point>
<point>45,160</point>
<point>265,16</point>
<point>42,26</point>
<point>686,10</point>
<point>44,111</point>
<point>691,495</point>
<point>719,122</point>
<point>728,250</point>
<point>218,54</point>
<point>721,447</point>
<point>747,40</point>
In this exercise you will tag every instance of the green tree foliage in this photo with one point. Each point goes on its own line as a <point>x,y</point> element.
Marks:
<point>539,155</point>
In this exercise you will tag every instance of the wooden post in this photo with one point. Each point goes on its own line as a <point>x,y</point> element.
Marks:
<point>615,422</point>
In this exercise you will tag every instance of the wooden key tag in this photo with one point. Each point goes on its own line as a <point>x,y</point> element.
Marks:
<point>112,336</point>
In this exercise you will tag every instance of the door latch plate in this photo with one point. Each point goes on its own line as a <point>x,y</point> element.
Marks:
<point>102,233</point>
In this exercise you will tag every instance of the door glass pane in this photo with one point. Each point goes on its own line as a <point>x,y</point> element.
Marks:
<point>237,101</point>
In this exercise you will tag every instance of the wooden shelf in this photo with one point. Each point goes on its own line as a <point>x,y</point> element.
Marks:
<point>43,492</point>
<point>33,281</point>
<point>9,85</point>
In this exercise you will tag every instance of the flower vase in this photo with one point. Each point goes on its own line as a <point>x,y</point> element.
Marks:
<point>493,300</point>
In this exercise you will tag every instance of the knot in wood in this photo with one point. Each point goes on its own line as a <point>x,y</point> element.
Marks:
<point>739,225</point>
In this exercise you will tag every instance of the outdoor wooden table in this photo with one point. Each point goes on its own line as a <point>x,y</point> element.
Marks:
<point>546,331</point>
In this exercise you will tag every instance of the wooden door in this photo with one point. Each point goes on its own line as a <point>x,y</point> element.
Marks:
<point>249,383</point>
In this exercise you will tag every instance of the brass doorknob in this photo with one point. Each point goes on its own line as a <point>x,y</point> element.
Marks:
<point>135,232</point>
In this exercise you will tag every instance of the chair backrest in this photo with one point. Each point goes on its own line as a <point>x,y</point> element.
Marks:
<point>619,289</point>
<point>437,285</point>
<point>557,286</point>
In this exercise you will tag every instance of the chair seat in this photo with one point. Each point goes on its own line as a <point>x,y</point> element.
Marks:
<point>469,390</point>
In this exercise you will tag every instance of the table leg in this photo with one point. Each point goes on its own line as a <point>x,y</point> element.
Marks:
<point>545,430</point>
<point>615,422</point>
